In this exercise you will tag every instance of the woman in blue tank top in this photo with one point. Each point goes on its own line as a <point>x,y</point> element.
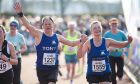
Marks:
<point>98,69</point>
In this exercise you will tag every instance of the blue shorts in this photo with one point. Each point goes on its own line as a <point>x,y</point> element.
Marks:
<point>71,59</point>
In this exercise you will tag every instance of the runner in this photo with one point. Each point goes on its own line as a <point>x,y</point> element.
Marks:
<point>116,54</point>
<point>46,43</point>
<point>18,41</point>
<point>70,52</point>
<point>7,58</point>
<point>98,69</point>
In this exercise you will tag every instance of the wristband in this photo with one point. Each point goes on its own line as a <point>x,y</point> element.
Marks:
<point>20,14</point>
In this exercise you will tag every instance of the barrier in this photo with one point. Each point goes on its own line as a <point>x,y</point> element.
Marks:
<point>132,62</point>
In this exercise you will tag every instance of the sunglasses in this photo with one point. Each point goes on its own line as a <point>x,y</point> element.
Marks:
<point>13,25</point>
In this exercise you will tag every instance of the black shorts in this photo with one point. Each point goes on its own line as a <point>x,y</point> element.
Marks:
<point>7,77</point>
<point>99,78</point>
<point>45,77</point>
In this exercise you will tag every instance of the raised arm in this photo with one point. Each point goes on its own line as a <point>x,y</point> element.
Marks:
<point>18,8</point>
<point>118,44</point>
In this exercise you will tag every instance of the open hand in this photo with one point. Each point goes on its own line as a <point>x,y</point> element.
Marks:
<point>84,38</point>
<point>17,7</point>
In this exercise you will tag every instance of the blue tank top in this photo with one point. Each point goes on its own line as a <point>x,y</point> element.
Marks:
<point>47,52</point>
<point>98,61</point>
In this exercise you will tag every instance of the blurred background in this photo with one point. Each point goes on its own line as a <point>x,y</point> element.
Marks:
<point>83,12</point>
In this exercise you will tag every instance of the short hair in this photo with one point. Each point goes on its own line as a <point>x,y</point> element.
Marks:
<point>49,18</point>
<point>113,20</point>
<point>96,21</point>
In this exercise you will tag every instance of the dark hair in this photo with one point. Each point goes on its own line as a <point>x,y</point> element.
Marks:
<point>49,18</point>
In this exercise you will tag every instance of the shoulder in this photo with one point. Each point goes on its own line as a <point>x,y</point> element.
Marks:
<point>121,32</point>
<point>107,33</point>
<point>78,32</point>
<point>10,45</point>
<point>20,35</point>
<point>66,31</point>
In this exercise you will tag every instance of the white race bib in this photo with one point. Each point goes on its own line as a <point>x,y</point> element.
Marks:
<point>71,49</point>
<point>98,65</point>
<point>49,58</point>
<point>3,66</point>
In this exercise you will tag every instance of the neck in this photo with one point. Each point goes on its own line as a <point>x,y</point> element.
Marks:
<point>13,34</point>
<point>49,33</point>
<point>114,31</point>
<point>97,38</point>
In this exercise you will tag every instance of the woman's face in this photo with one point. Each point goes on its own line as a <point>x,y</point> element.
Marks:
<point>96,29</point>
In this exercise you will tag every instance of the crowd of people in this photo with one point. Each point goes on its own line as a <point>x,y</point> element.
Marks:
<point>104,48</point>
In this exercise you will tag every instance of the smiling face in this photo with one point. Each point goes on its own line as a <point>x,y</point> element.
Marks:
<point>48,25</point>
<point>113,23</point>
<point>13,29</point>
<point>96,28</point>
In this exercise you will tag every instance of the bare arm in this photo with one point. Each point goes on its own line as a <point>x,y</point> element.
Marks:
<point>13,59</point>
<point>22,49</point>
<point>83,49</point>
<point>67,42</point>
<point>118,44</point>
<point>34,32</point>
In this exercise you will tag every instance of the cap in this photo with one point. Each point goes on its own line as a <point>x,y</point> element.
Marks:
<point>15,24</point>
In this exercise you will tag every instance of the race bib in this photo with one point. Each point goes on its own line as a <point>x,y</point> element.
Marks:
<point>49,58</point>
<point>98,65</point>
<point>71,49</point>
<point>3,66</point>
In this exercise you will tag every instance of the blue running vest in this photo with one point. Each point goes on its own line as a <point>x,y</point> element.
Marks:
<point>47,52</point>
<point>98,61</point>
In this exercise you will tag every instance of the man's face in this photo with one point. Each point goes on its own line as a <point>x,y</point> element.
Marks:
<point>13,28</point>
<point>114,24</point>
<point>48,25</point>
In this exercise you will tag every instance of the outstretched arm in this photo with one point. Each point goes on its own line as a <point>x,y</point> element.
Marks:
<point>72,43</point>
<point>63,40</point>
<point>18,9</point>
<point>118,44</point>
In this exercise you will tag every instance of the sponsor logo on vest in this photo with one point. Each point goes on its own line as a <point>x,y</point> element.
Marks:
<point>53,42</point>
<point>102,53</point>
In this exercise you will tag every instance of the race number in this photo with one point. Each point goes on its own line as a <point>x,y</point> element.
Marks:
<point>98,65</point>
<point>49,58</point>
<point>71,49</point>
<point>3,66</point>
